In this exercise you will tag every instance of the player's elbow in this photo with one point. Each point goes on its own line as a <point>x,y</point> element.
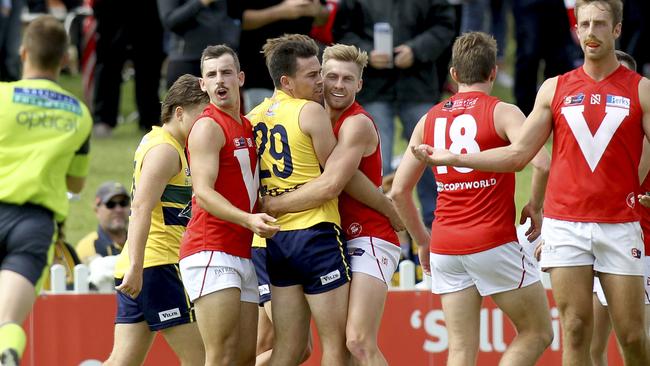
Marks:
<point>201,197</point>
<point>399,193</point>
<point>331,190</point>
<point>75,184</point>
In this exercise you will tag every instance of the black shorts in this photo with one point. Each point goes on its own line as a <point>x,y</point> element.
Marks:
<point>263,283</point>
<point>162,303</point>
<point>316,258</point>
<point>27,233</point>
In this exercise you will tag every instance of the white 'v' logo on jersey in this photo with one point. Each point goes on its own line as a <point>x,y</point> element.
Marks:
<point>593,146</point>
<point>251,181</point>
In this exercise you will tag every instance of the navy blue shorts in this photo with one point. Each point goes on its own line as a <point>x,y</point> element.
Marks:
<point>27,233</point>
<point>162,303</point>
<point>316,258</point>
<point>263,282</point>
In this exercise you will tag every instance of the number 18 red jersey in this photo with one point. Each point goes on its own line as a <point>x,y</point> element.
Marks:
<point>475,210</point>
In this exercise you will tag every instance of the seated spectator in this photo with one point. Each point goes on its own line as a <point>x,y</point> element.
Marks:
<point>112,205</point>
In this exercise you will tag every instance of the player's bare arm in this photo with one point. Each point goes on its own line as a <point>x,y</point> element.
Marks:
<point>406,177</point>
<point>205,142</point>
<point>644,165</point>
<point>160,165</point>
<point>314,122</point>
<point>508,120</point>
<point>360,130</point>
<point>75,184</point>
<point>514,157</point>
<point>341,167</point>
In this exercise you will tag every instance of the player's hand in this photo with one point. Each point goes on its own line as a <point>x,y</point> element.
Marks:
<point>131,283</point>
<point>423,254</point>
<point>267,204</point>
<point>535,215</point>
<point>379,60</point>
<point>403,56</point>
<point>431,156</point>
<point>644,199</point>
<point>260,224</point>
<point>294,9</point>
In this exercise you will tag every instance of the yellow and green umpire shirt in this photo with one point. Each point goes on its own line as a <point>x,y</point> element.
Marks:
<point>44,137</point>
<point>171,214</point>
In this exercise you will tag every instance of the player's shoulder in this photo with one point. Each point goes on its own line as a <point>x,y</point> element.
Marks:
<point>358,122</point>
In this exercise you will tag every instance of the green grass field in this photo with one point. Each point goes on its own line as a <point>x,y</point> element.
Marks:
<point>112,159</point>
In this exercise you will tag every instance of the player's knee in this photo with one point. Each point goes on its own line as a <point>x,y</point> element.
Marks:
<point>575,331</point>
<point>545,335</point>
<point>634,339</point>
<point>359,345</point>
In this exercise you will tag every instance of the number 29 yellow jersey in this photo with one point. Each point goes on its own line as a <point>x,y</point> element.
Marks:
<point>287,158</point>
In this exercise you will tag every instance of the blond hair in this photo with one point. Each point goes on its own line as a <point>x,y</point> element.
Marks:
<point>346,53</point>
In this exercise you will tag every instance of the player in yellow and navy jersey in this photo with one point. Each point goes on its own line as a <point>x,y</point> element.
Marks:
<point>44,142</point>
<point>151,296</point>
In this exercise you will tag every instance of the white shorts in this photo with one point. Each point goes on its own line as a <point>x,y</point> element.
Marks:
<point>610,248</point>
<point>504,268</point>
<point>374,257</point>
<point>210,271</point>
<point>598,288</point>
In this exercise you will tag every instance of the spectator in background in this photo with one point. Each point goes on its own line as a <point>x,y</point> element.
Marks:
<point>536,41</point>
<point>269,19</point>
<point>193,25</point>
<point>421,32</point>
<point>39,162</point>
<point>10,28</point>
<point>122,33</point>
<point>112,205</point>
<point>636,33</point>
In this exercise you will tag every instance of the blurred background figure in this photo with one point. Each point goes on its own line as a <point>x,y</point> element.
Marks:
<point>539,42</point>
<point>10,27</point>
<point>421,31</point>
<point>269,19</point>
<point>127,30</point>
<point>194,25</point>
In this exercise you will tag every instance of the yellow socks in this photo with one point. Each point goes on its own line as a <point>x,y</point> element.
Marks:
<point>12,336</point>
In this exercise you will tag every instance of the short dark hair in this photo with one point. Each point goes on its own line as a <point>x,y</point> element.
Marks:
<point>218,51</point>
<point>46,42</point>
<point>282,53</point>
<point>625,58</point>
<point>474,55</point>
<point>185,92</point>
<point>615,8</point>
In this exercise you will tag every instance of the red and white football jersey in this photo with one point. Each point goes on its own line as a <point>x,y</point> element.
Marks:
<point>238,181</point>
<point>358,219</point>
<point>597,140</point>
<point>475,210</point>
